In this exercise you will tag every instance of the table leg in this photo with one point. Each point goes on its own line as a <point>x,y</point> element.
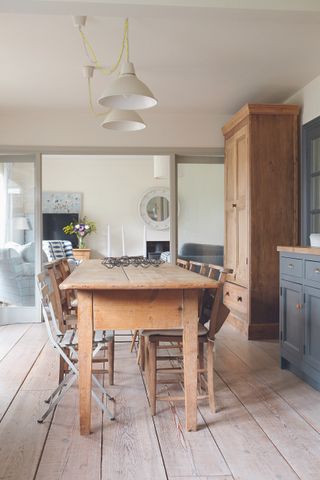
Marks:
<point>190,352</point>
<point>85,332</point>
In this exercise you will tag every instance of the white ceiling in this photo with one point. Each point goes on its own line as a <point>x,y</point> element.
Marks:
<point>196,57</point>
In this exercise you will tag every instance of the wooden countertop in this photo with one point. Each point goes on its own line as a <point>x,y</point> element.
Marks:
<point>92,275</point>
<point>306,250</point>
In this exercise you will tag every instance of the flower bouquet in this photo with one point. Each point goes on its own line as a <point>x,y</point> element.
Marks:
<point>81,229</point>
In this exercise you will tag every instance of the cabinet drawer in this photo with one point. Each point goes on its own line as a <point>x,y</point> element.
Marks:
<point>235,297</point>
<point>291,266</point>
<point>312,272</point>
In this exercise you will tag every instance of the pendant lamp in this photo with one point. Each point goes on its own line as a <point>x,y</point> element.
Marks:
<point>123,121</point>
<point>127,92</point>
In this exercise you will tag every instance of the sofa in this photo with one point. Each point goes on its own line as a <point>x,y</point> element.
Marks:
<point>17,280</point>
<point>198,252</point>
<point>202,252</point>
<point>17,269</point>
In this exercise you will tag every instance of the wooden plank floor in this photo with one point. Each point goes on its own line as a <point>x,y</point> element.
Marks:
<point>267,424</point>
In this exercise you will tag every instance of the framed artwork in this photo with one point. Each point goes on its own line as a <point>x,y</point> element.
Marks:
<point>61,202</point>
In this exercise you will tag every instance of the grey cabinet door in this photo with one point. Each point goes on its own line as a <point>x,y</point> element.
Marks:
<point>312,327</point>
<point>292,319</point>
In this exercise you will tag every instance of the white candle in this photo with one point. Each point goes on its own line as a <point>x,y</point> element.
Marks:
<point>122,236</point>
<point>144,244</point>
<point>109,244</point>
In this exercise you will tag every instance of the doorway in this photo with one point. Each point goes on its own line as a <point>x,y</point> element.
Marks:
<point>20,257</point>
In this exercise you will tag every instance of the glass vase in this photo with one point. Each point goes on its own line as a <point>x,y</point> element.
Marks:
<point>81,243</point>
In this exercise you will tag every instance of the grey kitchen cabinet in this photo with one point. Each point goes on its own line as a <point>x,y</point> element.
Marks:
<point>300,312</point>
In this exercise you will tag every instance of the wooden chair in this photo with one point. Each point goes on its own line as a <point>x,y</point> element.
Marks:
<point>135,336</point>
<point>183,263</point>
<point>67,339</point>
<point>198,267</point>
<point>67,318</point>
<point>155,339</point>
<point>64,268</point>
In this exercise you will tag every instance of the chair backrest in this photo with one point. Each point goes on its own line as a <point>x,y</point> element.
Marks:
<point>218,273</point>
<point>182,263</point>
<point>212,307</point>
<point>47,297</point>
<point>198,267</point>
<point>60,300</point>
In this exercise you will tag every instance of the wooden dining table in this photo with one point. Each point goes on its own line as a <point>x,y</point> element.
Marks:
<point>134,298</point>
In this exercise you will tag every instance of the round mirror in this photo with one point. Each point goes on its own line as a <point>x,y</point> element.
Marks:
<point>154,208</point>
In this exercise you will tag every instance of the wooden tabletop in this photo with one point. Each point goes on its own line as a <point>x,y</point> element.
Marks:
<point>305,250</point>
<point>92,275</point>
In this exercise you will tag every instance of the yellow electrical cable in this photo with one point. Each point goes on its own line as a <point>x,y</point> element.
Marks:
<point>93,57</point>
<point>97,114</point>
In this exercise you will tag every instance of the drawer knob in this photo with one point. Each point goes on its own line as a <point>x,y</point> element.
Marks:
<point>317,270</point>
<point>227,294</point>
<point>299,307</point>
<point>239,299</point>
<point>234,205</point>
<point>290,265</point>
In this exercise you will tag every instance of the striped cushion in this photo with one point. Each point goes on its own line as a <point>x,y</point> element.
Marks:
<point>165,256</point>
<point>56,249</point>
<point>68,248</point>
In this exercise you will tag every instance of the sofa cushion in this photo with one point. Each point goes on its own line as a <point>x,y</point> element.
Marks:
<point>27,252</point>
<point>203,249</point>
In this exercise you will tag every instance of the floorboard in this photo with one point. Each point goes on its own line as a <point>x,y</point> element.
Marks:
<point>16,365</point>
<point>298,394</point>
<point>286,429</point>
<point>266,427</point>
<point>9,336</point>
<point>185,454</point>
<point>132,433</point>
<point>21,437</point>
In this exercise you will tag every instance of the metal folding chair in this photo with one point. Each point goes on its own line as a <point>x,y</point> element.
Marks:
<point>68,341</point>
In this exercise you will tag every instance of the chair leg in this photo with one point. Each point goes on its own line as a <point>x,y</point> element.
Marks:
<point>141,353</point>
<point>111,361</point>
<point>146,360</point>
<point>152,375</point>
<point>210,374</point>
<point>201,364</point>
<point>133,340</point>
<point>61,369</point>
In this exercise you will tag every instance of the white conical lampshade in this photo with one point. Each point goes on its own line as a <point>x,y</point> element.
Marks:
<point>127,92</point>
<point>123,121</point>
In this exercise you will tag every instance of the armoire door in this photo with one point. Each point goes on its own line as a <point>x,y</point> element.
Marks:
<point>242,165</point>
<point>230,243</point>
<point>236,206</point>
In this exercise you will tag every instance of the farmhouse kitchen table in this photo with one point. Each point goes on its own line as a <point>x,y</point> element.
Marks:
<point>137,298</point>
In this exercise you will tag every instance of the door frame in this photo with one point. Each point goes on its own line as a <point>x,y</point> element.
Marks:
<point>177,155</point>
<point>25,314</point>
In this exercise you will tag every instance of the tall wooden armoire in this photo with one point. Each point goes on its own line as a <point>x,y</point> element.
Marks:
<point>261,211</point>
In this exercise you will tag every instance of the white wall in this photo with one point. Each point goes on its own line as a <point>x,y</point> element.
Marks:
<point>201,198</point>
<point>309,99</point>
<point>111,189</point>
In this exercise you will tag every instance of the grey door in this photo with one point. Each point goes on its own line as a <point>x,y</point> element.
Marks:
<point>292,319</point>
<point>312,327</point>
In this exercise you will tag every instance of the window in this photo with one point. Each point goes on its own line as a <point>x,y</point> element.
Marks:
<point>310,179</point>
